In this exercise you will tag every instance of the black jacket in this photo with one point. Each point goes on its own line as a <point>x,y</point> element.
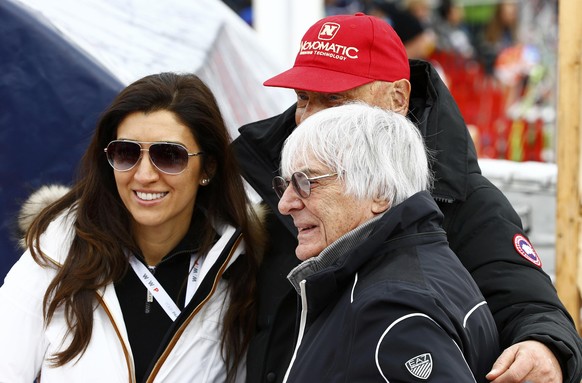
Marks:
<point>398,307</point>
<point>479,220</point>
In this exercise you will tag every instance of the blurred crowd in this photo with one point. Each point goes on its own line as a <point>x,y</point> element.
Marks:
<point>498,58</point>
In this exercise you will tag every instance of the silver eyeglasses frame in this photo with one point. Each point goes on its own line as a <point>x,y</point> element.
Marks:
<point>280,184</point>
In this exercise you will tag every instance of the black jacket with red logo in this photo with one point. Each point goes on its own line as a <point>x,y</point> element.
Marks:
<point>479,220</point>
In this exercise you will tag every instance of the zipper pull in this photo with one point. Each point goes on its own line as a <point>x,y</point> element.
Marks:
<point>149,296</point>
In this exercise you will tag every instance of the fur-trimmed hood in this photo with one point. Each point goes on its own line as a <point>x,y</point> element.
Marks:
<point>35,203</point>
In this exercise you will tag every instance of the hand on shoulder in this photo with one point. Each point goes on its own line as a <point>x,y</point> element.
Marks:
<point>529,361</point>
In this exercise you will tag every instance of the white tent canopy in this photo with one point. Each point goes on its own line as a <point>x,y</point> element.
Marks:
<point>134,38</point>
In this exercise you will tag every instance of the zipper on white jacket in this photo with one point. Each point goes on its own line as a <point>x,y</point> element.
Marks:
<point>234,252</point>
<point>124,346</point>
<point>302,324</point>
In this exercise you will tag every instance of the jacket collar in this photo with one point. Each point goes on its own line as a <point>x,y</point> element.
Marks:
<point>332,254</point>
<point>435,113</point>
<point>417,214</point>
<point>398,227</point>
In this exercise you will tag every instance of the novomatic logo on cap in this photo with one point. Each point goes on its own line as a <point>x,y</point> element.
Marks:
<point>322,46</point>
<point>342,52</point>
<point>328,31</point>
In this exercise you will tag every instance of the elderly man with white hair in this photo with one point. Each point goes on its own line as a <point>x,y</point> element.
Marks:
<point>383,297</point>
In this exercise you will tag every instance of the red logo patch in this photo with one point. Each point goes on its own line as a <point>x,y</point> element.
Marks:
<point>526,250</point>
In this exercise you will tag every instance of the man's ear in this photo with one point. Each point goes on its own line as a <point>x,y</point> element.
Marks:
<point>380,205</point>
<point>401,96</point>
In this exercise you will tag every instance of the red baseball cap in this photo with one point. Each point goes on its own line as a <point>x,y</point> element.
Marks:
<point>343,52</point>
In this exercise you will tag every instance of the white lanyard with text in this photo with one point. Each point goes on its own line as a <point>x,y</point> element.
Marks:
<point>158,292</point>
<point>199,267</point>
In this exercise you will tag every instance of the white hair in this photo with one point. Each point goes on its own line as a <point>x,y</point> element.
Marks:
<point>378,154</point>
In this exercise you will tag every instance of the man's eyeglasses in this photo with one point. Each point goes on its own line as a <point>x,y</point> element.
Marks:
<point>301,183</point>
<point>167,157</point>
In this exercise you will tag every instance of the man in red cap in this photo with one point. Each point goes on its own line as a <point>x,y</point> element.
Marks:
<point>345,58</point>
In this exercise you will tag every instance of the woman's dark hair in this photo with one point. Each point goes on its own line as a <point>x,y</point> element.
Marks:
<point>498,25</point>
<point>102,227</point>
<point>444,8</point>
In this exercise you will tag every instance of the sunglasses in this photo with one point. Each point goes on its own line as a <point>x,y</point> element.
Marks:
<point>167,157</point>
<point>301,183</point>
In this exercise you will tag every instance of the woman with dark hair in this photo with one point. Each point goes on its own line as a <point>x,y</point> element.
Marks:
<point>499,33</point>
<point>145,270</point>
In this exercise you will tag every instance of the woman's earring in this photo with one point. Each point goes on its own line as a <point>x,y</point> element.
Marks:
<point>204,181</point>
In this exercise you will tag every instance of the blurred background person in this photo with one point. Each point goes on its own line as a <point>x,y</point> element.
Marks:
<point>499,33</point>
<point>448,24</point>
<point>417,36</point>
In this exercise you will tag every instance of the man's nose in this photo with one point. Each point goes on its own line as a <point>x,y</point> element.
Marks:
<point>290,201</point>
<point>310,109</point>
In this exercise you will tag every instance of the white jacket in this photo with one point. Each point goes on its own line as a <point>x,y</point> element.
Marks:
<point>26,344</point>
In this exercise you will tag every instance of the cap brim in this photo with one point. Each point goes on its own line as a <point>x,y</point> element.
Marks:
<point>316,80</point>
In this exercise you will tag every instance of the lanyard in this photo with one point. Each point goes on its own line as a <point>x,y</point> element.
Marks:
<point>156,290</point>
<point>199,267</point>
<point>192,286</point>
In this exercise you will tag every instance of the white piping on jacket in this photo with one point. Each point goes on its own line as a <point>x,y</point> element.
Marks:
<point>408,316</point>
<point>354,288</point>
<point>302,324</point>
<point>471,312</point>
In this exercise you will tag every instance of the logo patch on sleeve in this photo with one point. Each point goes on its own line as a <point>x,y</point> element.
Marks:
<point>526,250</point>
<point>420,366</point>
